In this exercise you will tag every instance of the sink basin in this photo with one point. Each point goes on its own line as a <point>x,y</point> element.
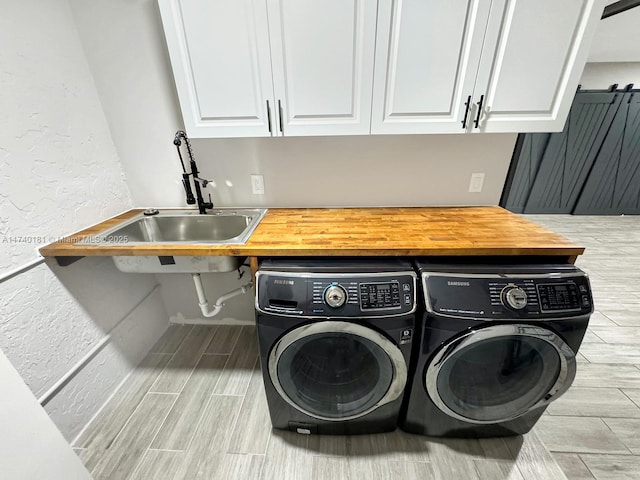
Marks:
<point>184,227</point>
<point>175,227</point>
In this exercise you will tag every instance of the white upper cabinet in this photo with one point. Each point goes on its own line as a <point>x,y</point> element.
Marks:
<point>303,68</point>
<point>531,64</point>
<point>501,65</point>
<point>427,56</point>
<point>322,55</point>
<point>252,68</point>
<point>221,64</point>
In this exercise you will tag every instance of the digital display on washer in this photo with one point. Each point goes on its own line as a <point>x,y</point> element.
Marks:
<point>379,295</point>
<point>558,296</point>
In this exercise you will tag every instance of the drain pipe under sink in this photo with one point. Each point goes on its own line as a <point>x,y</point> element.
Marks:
<point>202,299</point>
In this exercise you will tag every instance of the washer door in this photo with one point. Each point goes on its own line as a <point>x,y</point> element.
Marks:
<point>499,373</point>
<point>337,370</point>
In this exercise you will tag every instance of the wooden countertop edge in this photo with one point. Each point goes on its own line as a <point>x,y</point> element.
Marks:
<point>260,247</point>
<point>67,246</point>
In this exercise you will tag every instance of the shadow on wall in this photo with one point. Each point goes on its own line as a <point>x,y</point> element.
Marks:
<point>127,316</point>
<point>74,333</point>
<point>116,303</point>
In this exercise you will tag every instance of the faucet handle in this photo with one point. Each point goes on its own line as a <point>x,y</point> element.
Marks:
<point>202,181</point>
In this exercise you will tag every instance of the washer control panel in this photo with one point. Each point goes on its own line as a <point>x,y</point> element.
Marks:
<point>508,296</point>
<point>337,295</point>
<point>559,296</point>
<point>381,295</point>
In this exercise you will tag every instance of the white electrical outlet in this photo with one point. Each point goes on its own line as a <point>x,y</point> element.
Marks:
<point>257,184</point>
<point>475,184</point>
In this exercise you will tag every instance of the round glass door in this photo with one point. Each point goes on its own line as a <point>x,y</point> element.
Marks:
<point>500,373</point>
<point>337,370</point>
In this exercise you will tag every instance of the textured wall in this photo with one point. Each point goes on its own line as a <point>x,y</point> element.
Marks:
<point>59,172</point>
<point>131,339</point>
<point>51,316</point>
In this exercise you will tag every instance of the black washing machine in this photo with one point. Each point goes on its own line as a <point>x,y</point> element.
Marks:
<point>498,343</point>
<point>335,342</point>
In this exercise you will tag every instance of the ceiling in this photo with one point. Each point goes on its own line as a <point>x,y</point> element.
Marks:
<point>617,38</point>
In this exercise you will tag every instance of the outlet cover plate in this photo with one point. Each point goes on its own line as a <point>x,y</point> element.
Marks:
<point>257,184</point>
<point>476,182</point>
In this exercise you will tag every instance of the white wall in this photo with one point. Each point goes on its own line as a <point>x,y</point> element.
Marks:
<point>30,444</point>
<point>59,172</point>
<point>127,53</point>
<point>598,76</point>
<point>179,295</point>
<point>617,38</point>
<point>125,48</point>
<point>389,170</point>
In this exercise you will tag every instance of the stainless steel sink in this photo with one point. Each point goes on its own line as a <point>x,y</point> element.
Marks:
<point>174,227</point>
<point>184,227</point>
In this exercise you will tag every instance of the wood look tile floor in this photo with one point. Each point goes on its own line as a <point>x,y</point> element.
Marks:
<point>195,407</point>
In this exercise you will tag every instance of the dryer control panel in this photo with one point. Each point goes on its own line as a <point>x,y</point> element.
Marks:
<point>336,295</point>
<point>496,296</point>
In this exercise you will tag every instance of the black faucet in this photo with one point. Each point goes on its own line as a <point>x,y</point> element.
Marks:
<point>197,181</point>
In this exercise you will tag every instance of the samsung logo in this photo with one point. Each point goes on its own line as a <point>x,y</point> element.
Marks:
<point>283,282</point>
<point>458,284</point>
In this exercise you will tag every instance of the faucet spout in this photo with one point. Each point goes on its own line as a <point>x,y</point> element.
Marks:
<point>197,181</point>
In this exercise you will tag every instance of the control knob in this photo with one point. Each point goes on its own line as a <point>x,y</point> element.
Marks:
<point>335,296</point>
<point>514,297</point>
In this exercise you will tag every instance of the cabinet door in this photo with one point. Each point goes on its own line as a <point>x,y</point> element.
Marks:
<point>221,62</point>
<point>532,61</point>
<point>427,57</point>
<point>322,56</point>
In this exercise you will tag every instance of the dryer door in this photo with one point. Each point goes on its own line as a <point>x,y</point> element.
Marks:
<point>337,370</point>
<point>499,373</point>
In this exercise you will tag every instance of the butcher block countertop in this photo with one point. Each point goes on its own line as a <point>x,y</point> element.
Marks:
<point>410,231</point>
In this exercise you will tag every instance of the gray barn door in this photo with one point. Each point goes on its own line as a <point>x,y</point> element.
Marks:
<point>613,187</point>
<point>570,155</point>
<point>533,147</point>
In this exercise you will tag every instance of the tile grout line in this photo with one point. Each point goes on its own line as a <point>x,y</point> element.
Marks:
<point>165,450</point>
<point>192,369</point>
<point>224,367</point>
<point>244,399</point>
<point>141,458</point>
<point>129,420</point>
<point>631,399</point>
<point>179,345</point>
<point>587,466</point>
<point>234,343</point>
<point>73,443</point>
<point>172,357</point>
<point>200,417</point>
